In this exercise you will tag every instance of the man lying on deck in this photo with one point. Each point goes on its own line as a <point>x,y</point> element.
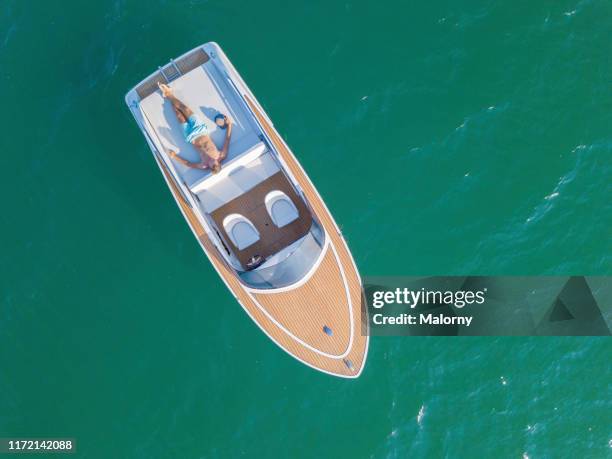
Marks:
<point>196,133</point>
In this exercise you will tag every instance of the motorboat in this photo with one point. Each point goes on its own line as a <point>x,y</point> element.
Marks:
<point>260,220</point>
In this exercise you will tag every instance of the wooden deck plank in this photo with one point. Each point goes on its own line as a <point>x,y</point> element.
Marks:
<point>305,311</point>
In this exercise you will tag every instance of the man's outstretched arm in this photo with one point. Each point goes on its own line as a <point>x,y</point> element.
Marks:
<point>228,135</point>
<point>183,161</point>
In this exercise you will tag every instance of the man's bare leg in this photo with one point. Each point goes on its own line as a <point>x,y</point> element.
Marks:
<point>179,115</point>
<point>177,105</point>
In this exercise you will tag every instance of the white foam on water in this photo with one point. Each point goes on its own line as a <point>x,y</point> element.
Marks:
<point>551,196</point>
<point>421,415</point>
<point>542,209</point>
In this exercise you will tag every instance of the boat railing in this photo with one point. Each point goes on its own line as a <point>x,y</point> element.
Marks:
<point>266,138</point>
<point>271,145</point>
<point>161,158</point>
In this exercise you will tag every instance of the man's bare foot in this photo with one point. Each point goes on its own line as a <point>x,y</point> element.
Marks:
<point>165,89</point>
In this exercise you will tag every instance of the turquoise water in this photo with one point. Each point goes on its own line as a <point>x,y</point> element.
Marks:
<point>465,137</point>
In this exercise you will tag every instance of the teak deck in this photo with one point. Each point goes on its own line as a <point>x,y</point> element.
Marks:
<point>252,205</point>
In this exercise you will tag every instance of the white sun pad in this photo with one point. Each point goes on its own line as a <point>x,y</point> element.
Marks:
<point>199,90</point>
<point>238,181</point>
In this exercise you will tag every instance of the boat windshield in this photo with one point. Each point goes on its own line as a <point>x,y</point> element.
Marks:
<point>290,264</point>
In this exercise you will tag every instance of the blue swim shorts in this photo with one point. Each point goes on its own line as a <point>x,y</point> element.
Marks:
<point>194,128</point>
